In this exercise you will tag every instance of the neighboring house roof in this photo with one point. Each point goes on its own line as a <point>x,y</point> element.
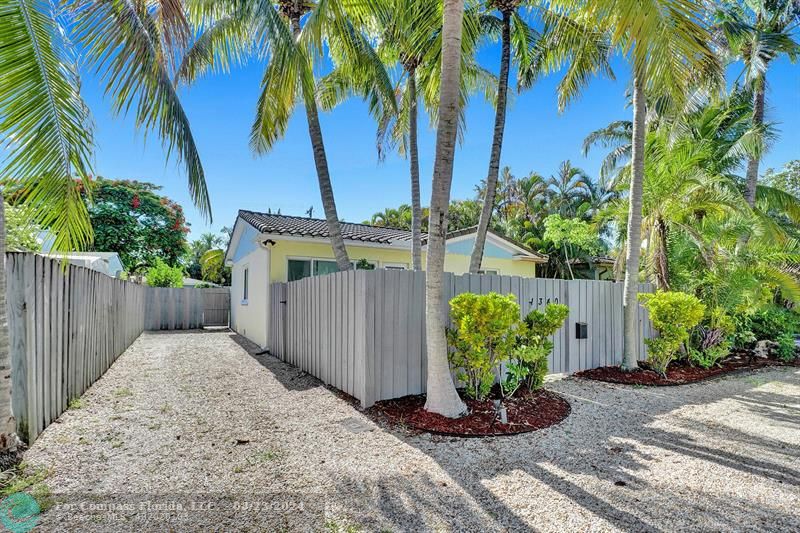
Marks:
<point>293,226</point>
<point>108,263</point>
<point>596,260</point>
<point>315,227</point>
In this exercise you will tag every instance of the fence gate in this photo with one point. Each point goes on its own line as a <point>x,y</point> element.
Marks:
<point>216,306</point>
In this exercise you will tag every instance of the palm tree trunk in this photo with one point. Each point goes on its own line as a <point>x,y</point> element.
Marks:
<point>630,303</point>
<point>413,149</point>
<point>497,146</point>
<point>442,397</point>
<point>752,163</point>
<point>10,454</point>
<point>662,259</point>
<point>323,175</point>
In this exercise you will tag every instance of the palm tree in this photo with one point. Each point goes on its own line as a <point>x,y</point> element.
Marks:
<point>567,188</point>
<point>409,35</point>
<point>295,32</point>
<point>669,50</point>
<point>757,33</point>
<point>442,397</point>
<point>48,123</point>
<point>586,50</point>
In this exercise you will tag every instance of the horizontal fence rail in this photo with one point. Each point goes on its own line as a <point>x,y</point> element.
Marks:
<point>68,325</point>
<point>364,331</point>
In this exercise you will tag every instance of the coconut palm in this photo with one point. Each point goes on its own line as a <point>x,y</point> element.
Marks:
<point>668,46</point>
<point>292,35</point>
<point>409,36</point>
<point>587,52</point>
<point>47,124</point>
<point>757,32</point>
<point>442,397</point>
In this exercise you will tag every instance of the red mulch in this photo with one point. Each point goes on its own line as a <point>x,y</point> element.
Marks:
<point>526,412</point>
<point>679,372</point>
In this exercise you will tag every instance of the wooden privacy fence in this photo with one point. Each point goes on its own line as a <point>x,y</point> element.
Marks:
<point>186,308</point>
<point>67,326</point>
<point>364,331</point>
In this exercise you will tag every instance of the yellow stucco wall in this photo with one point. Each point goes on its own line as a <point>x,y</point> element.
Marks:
<point>282,251</point>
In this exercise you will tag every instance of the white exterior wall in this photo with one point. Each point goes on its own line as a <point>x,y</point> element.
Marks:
<point>250,318</point>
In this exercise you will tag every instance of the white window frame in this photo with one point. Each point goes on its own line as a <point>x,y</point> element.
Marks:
<point>489,271</point>
<point>395,266</point>
<point>245,283</point>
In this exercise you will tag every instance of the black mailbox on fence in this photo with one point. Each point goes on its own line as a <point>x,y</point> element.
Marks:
<point>581,330</point>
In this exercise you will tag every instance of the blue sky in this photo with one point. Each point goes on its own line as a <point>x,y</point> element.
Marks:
<point>221,109</point>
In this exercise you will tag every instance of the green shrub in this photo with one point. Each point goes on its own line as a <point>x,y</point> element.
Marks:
<point>484,335</point>
<point>710,356</point>
<point>529,360</point>
<point>163,275</point>
<point>673,314</point>
<point>786,347</point>
<point>774,321</point>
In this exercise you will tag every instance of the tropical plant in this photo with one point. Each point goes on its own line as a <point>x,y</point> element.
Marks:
<point>564,41</point>
<point>163,275</point>
<point>673,314</point>
<point>47,123</point>
<point>132,219</point>
<point>22,234</point>
<point>442,397</point>
<point>295,36</point>
<point>668,45</point>
<point>571,234</point>
<point>483,337</point>
<point>213,267</point>
<point>757,32</point>
<point>528,363</point>
<point>409,37</point>
<point>786,179</point>
<point>197,249</point>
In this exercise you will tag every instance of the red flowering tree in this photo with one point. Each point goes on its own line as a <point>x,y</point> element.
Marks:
<point>130,217</point>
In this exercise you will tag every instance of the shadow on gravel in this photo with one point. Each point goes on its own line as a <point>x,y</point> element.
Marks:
<point>291,377</point>
<point>599,441</point>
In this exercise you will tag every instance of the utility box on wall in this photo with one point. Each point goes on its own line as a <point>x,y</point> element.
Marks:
<point>581,330</point>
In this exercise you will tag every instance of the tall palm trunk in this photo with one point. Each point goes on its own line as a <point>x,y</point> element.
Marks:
<point>323,175</point>
<point>758,122</point>
<point>497,146</point>
<point>442,397</point>
<point>634,249</point>
<point>413,149</point>
<point>9,442</point>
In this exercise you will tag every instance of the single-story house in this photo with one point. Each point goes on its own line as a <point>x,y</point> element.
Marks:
<point>266,248</point>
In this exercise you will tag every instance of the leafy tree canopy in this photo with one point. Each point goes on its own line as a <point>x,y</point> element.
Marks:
<point>131,218</point>
<point>21,233</point>
<point>787,179</point>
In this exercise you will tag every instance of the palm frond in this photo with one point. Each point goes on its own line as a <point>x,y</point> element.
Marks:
<point>44,120</point>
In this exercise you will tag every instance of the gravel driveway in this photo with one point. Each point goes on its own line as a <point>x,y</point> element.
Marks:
<point>191,430</point>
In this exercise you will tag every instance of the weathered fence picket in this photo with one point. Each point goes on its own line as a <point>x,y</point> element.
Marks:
<point>364,331</point>
<point>67,326</point>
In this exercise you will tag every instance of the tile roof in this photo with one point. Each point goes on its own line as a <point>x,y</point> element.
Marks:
<point>315,227</point>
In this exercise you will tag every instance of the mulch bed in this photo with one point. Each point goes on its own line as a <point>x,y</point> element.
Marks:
<point>679,373</point>
<point>528,411</point>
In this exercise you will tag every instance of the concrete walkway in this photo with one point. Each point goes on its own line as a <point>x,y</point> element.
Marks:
<point>190,431</point>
